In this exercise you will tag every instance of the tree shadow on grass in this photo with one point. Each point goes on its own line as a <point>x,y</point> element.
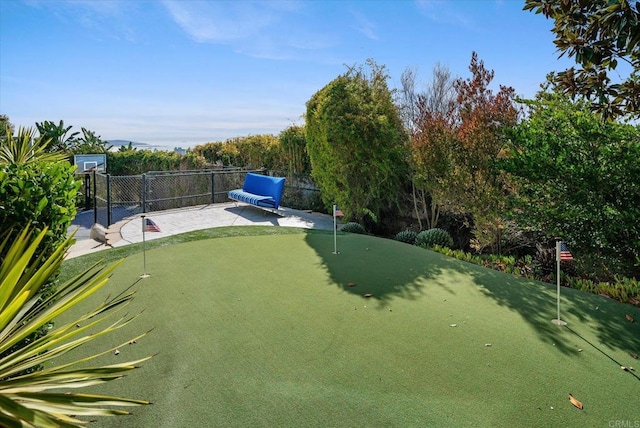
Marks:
<point>378,267</point>
<point>388,269</point>
<point>589,315</point>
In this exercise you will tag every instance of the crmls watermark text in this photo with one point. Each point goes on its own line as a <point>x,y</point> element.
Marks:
<point>624,424</point>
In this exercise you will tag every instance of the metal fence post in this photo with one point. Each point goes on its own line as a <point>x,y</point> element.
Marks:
<point>87,191</point>
<point>213,187</point>
<point>95,197</point>
<point>143,194</point>
<point>108,200</point>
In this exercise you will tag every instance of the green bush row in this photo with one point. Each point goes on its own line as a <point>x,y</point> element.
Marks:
<point>426,238</point>
<point>622,289</point>
<point>135,162</point>
<point>286,152</point>
<point>40,193</point>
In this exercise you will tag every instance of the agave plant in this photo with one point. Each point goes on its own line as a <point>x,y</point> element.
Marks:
<point>435,236</point>
<point>34,399</point>
<point>406,236</point>
<point>24,148</point>
<point>353,227</point>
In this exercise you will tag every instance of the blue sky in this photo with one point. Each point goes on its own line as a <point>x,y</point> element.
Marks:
<point>181,73</point>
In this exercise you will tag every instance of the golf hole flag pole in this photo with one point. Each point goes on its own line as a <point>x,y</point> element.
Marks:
<point>337,212</point>
<point>147,225</point>
<point>562,254</point>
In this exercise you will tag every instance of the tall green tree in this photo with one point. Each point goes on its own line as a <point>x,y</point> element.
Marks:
<point>89,142</point>
<point>436,104</point>
<point>483,116</point>
<point>600,35</point>
<point>577,176</point>
<point>454,148</point>
<point>355,141</point>
<point>6,127</point>
<point>62,140</point>
<point>433,149</point>
<point>58,135</point>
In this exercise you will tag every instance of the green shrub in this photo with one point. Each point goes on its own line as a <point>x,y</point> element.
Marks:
<point>353,227</point>
<point>406,236</point>
<point>40,190</point>
<point>41,193</point>
<point>432,237</point>
<point>135,162</point>
<point>253,151</point>
<point>622,289</point>
<point>545,262</point>
<point>458,254</point>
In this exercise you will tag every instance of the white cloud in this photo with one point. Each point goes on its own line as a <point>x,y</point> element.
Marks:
<point>260,29</point>
<point>364,25</point>
<point>104,19</point>
<point>444,12</point>
<point>220,22</point>
<point>104,7</point>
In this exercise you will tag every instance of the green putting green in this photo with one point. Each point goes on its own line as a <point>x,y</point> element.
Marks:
<point>276,331</point>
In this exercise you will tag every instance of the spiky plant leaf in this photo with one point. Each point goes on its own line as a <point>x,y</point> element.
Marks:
<point>25,147</point>
<point>26,400</point>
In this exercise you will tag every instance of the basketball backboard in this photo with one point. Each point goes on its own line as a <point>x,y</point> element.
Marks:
<point>90,162</point>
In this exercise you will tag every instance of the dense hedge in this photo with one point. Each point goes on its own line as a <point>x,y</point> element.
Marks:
<point>620,288</point>
<point>40,193</point>
<point>135,162</point>
<point>286,152</point>
<point>254,151</point>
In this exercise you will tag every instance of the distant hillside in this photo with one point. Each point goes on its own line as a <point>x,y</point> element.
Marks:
<point>118,143</point>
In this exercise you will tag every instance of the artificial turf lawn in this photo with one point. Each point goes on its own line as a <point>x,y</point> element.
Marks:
<point>266,331</point>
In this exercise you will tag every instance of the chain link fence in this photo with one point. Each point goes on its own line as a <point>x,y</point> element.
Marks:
<point>118,197</point>
<point>101,213</point>
<point>301,193</point>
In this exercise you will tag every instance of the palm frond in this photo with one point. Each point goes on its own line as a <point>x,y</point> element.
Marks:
<point>25,147</point>
<point>25,399</point>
